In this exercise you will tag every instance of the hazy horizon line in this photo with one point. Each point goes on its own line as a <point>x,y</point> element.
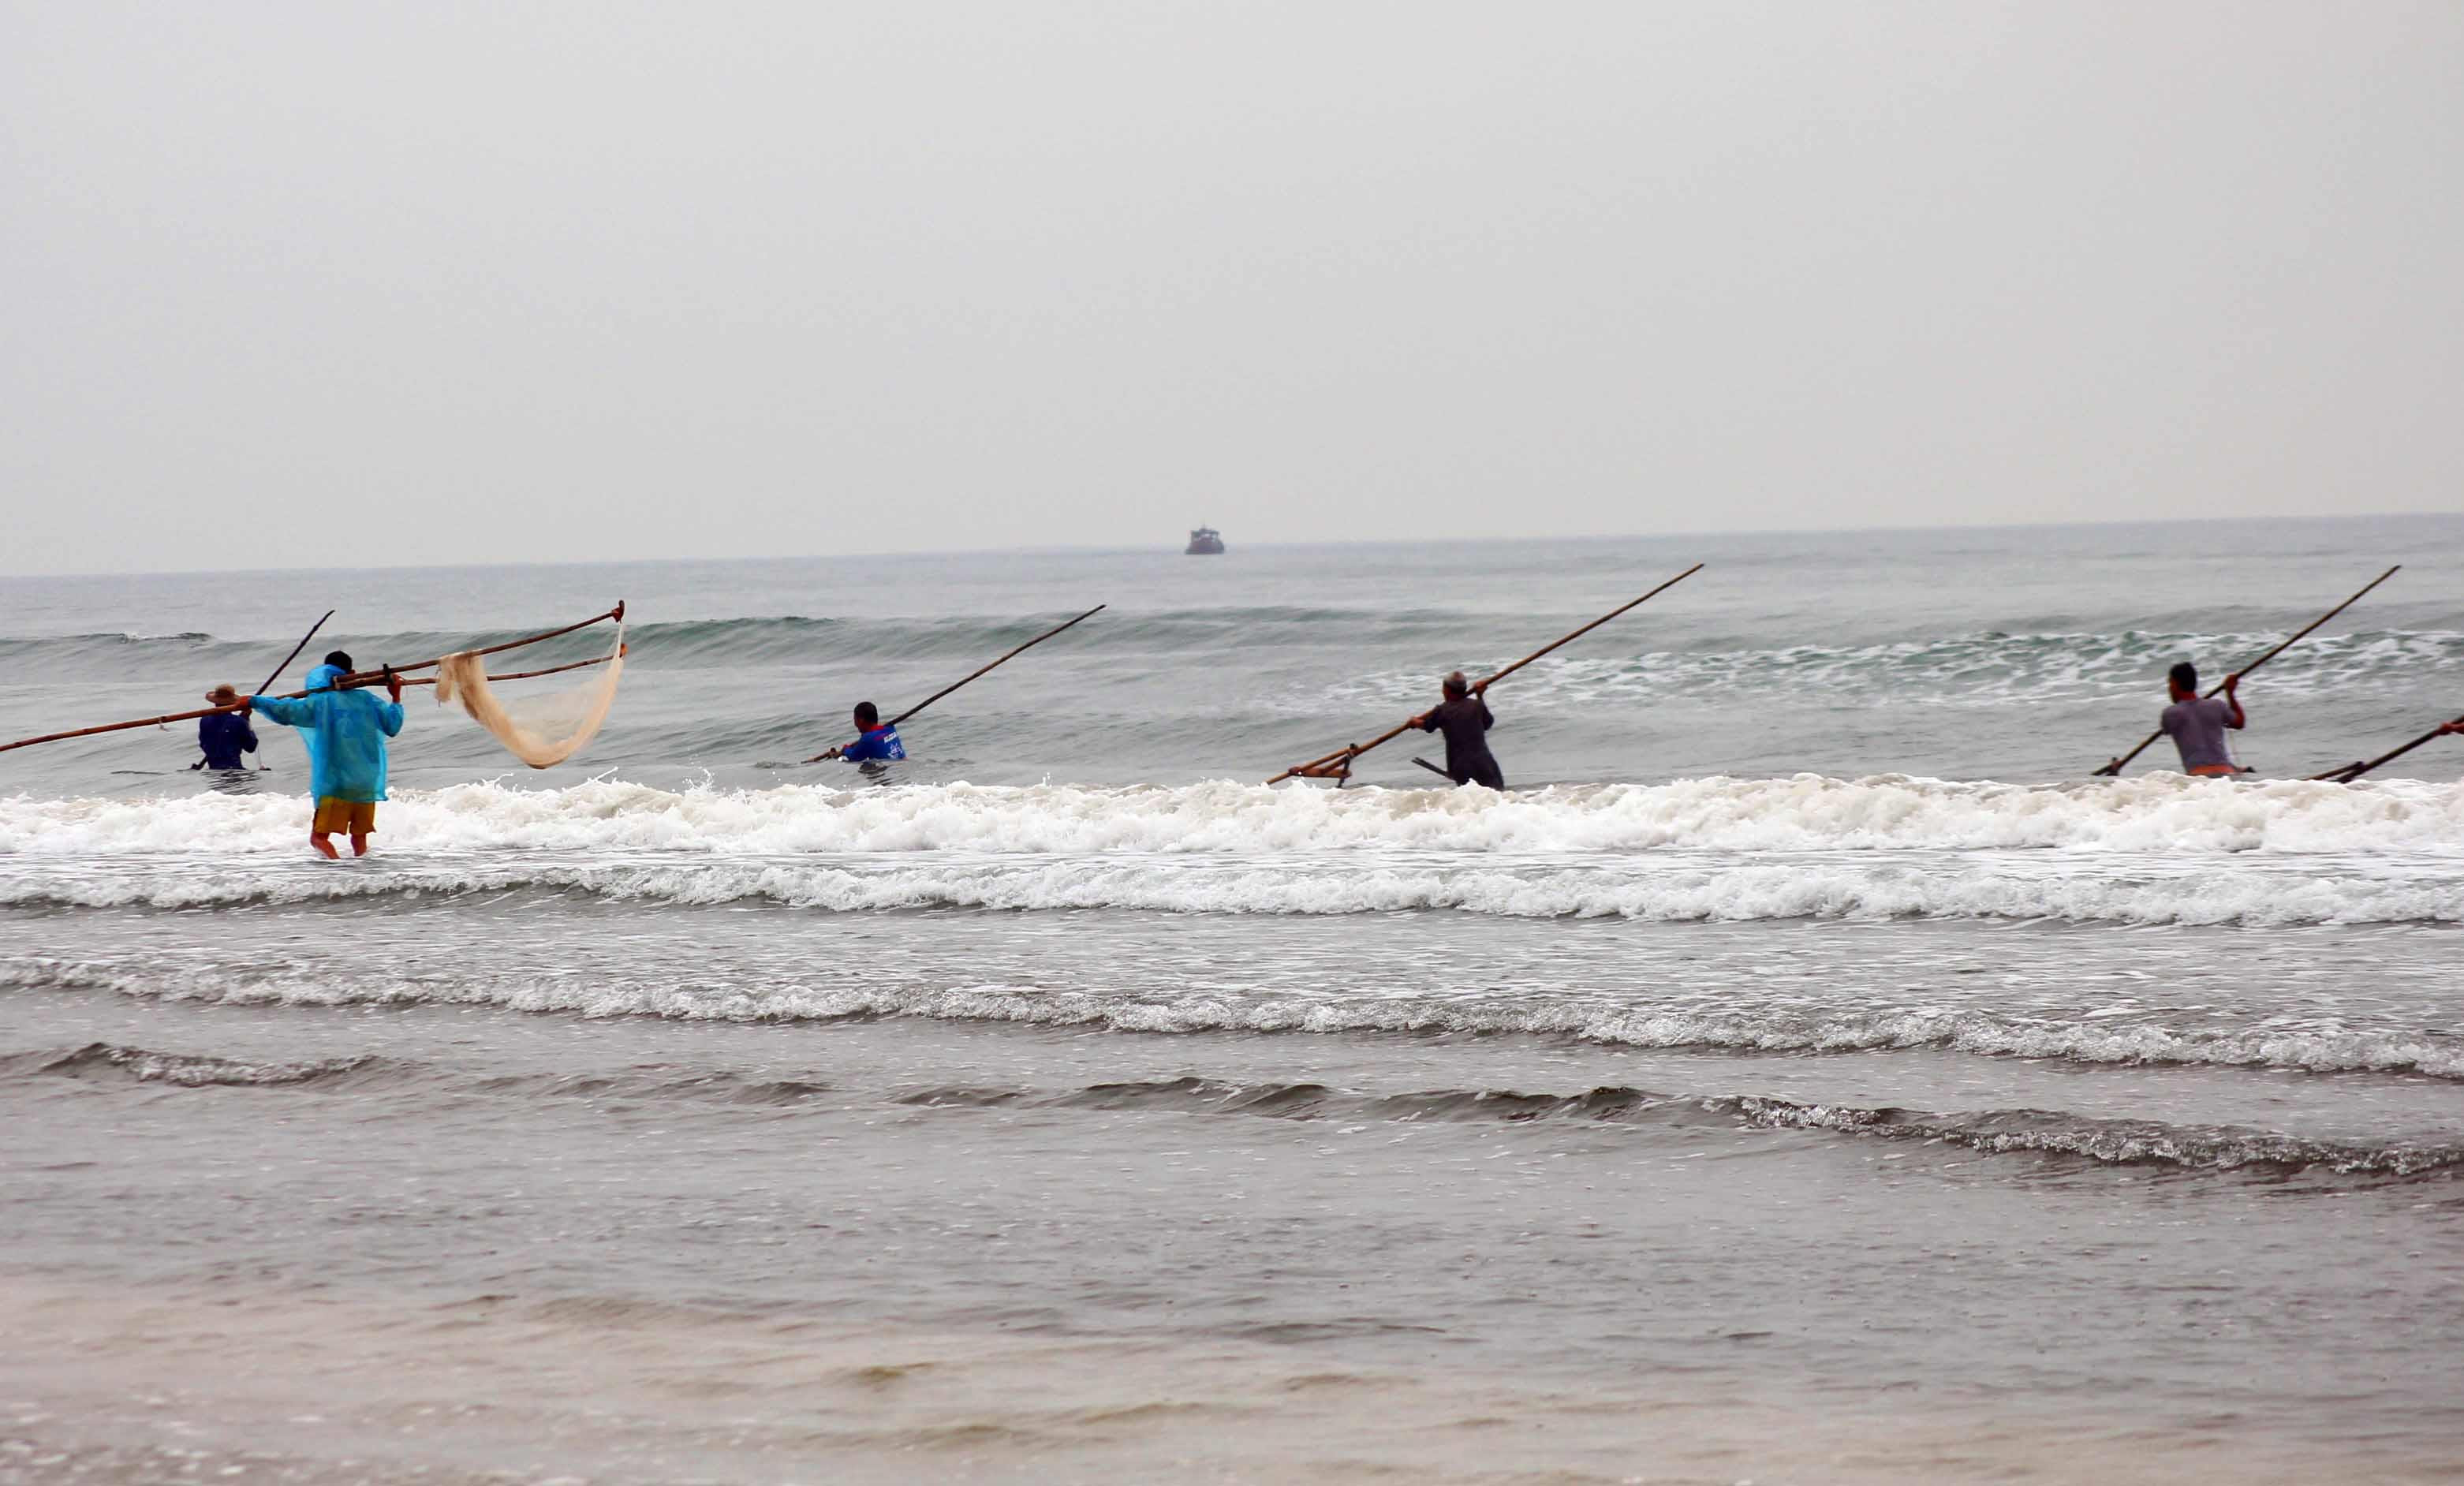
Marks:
<point>1092,549</point>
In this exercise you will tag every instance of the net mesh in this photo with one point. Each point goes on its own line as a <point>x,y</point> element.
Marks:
<point>540,729</point>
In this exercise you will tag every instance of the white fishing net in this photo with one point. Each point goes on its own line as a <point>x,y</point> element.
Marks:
<point>540,729</point>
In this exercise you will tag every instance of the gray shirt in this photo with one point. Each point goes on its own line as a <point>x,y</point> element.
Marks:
<point>2198,730</point>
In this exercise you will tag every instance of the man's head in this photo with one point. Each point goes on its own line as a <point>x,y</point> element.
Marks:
<point>224,695</point>
<point>866,716</point>
<point>337,658</point>
<point>2183,681</point>
<point>1456,686</point>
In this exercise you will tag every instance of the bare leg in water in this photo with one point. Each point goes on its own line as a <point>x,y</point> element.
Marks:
<point>325,844</point>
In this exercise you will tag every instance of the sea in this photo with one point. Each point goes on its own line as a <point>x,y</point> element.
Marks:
<point>1808,1070</point>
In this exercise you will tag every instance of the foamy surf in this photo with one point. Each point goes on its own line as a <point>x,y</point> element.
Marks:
<point>1667,887</point>
<point>2154,813</point>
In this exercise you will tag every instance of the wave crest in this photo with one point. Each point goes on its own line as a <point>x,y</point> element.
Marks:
<point>721,998</point>
<point>2154,814</point>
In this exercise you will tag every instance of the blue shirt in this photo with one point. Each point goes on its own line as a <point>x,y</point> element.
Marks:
<point>345,732</point>
<point>223,737</point>
<point>880,742</point>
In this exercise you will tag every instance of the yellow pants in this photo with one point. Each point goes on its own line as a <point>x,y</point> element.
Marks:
<point>350,816</point>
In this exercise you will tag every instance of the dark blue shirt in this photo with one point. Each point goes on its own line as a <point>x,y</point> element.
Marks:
<point>880,742</point>
<point>223,736</point>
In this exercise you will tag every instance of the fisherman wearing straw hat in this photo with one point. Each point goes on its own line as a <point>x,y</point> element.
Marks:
<point>223,737</point>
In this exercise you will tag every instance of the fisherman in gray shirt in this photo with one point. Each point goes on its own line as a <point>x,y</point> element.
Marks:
<point>2197,724</point>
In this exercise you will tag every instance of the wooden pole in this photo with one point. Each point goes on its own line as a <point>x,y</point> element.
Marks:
<point>526,675</point>
<point>962,681</point>
<point>364,678</point>
<point>1337,765</point>
<point>2114,767</point>
<point>2354,771</point>
<point>370,678</point>
<point>276,674</point>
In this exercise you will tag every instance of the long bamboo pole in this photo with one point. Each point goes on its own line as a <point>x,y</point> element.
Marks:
<point>363,678</point>
<point>2354,771</point>
<point>1337,765</point>
<point>2114,767</point>
<point>370,678</point>
<point>962,681</point>
<point>526,675</point>
<point>276,675</point>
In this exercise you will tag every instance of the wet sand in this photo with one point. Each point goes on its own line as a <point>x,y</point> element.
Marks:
<point>237,1381</point>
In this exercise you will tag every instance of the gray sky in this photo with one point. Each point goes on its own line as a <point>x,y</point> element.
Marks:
<point>294,284</point>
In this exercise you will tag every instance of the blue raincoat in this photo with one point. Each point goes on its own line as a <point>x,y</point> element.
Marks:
<point>345,732</point>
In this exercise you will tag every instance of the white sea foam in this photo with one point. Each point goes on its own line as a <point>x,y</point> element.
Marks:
<point>2160,849</point>
<point>2151,814</point>
<point>1661,888</point>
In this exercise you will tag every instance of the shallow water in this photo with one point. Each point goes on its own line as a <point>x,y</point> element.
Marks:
<point>1818,1081</point>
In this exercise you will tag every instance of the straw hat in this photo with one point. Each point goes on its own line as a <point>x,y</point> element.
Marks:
<point>223,695</point>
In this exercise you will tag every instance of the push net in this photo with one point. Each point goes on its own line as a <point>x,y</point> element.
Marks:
<point>539,728</point>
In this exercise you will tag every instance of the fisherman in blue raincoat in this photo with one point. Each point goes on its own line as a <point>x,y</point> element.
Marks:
<point>345,732</point>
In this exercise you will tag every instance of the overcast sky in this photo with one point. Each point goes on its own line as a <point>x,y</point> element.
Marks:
<point>293,284</point>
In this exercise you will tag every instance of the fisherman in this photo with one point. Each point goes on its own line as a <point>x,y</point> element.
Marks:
<point>2197,724</point>
<point>879,740</point>
<point>345,732</point>
<point>1465,718</point>
<point>223,737</point>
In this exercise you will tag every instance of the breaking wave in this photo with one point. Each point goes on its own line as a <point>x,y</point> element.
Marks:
<point>1673,890</point>
<point>2043,1132</point>
<point>724,997</point>
<point>140,1065</point>
<point>2151,814</point>
<point>1989,668</point>
<point>2157,850</point>
<point>1993,1132</point>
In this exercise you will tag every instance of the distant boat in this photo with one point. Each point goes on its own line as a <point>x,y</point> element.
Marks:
<point>1204,542</point>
